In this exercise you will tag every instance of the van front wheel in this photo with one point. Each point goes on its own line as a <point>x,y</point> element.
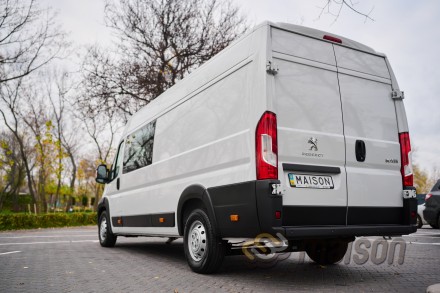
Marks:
<point>327,252</point>
<point>203,250</point>
<point>106,237</point>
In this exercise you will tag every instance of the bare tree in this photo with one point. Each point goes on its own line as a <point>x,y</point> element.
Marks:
<point>29,38</point>
<point>65,144</point>
<point>36,118</point>
<point>11,102</point>
<point>102,129</point>
<point>334,8</point>
<point>158,43</point>
<point>70,144</point>
<point>12,172</point>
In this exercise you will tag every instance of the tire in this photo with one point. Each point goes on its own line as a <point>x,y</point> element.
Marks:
<point>204,251</point>
<point>419,222</point>
<point>106,237</point>
<point>327,252</point>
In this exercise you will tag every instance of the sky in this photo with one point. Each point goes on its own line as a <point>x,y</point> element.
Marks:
<point>407,31</point>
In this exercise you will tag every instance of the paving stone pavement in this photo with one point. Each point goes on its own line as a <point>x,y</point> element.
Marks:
<point>71,260</point>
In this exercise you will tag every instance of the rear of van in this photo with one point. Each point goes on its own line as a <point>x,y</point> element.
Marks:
<point>339,143</point>
<point>289,131</point>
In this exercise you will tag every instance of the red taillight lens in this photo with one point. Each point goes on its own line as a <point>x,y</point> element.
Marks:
<point>267,147</point>
<point>332,39</point>
<point>428,196</point>
<point>405,159</point>
<point>277,215</point>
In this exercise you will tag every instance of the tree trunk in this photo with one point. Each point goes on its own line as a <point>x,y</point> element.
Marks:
<point>35,197</point>
<point>72,179</point>
<point>97,196</point>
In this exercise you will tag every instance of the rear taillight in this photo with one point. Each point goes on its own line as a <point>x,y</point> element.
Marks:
<point>405,159</point>
<point>428,196</point>
<point>267,147</point>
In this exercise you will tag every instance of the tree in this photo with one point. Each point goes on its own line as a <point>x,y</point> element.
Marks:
<point>339,5</point>
<point>102,129</point>
<point>12,173</point>
<point>421,180</point>
<point>158,43</point>
<point>29,38</point>
<point>65,145</point>
<point>11,102</point>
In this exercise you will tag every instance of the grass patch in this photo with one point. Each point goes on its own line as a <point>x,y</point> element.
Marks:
<point>30,221</point>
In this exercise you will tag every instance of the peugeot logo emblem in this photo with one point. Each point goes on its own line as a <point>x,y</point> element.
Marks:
<point>313,144</point>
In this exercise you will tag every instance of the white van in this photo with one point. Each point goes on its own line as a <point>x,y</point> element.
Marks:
<point>288,130</point>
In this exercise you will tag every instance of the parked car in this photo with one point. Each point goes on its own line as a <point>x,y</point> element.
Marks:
<point>432,206</point>
<point>289,131</point>
<point>420,218</point>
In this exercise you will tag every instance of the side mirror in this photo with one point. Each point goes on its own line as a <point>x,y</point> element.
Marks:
<point>102,174</point>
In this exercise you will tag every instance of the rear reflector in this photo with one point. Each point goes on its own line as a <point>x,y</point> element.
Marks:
<point>266,147</point>
<point>405,159</point>
<point>234,218</point>
<point>277,215</point>
<point>332,39</point>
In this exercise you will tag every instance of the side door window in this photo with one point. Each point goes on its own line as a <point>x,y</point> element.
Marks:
<point>117,163</point>
<point>138,152</point>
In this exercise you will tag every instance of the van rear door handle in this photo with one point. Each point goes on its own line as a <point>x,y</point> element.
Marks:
<point>118,183</point>
<point>361,152</point>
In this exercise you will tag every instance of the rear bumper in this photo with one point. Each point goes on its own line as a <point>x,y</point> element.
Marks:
<point>344,231</point>
<point>257,207</point>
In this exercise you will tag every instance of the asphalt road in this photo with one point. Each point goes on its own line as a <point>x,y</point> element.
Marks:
<point>71,260</point>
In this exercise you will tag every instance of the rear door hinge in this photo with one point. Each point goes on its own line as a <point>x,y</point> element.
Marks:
<point>397,95</point>
<point>271,69</point>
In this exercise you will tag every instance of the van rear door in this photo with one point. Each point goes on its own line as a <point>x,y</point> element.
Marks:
<point>311,147</point>
<point>374,181</point>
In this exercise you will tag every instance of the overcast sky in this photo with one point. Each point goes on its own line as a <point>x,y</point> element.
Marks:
<point>407,31</point>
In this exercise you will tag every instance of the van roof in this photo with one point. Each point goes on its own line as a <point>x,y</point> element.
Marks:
<point>318,34</point>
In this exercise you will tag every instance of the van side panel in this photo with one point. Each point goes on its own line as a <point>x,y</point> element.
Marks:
<point>205,140</point>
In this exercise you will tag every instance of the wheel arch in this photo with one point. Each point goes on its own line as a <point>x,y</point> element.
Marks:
<point>103,205</point>
<point>191,197</point>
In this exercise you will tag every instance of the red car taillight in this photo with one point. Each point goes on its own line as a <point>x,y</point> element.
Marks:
<point>267,147</point>
<point>405,159</point>
<point>428,196</point>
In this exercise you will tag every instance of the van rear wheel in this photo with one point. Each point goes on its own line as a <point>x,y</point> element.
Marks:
<point>203,250</point>
<point>327,252</point>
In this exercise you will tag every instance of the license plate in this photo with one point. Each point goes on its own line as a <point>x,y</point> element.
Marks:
<point>311,181</point>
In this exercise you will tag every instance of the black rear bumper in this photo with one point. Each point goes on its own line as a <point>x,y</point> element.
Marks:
<point>256,207</point>
<point>344,231</point>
